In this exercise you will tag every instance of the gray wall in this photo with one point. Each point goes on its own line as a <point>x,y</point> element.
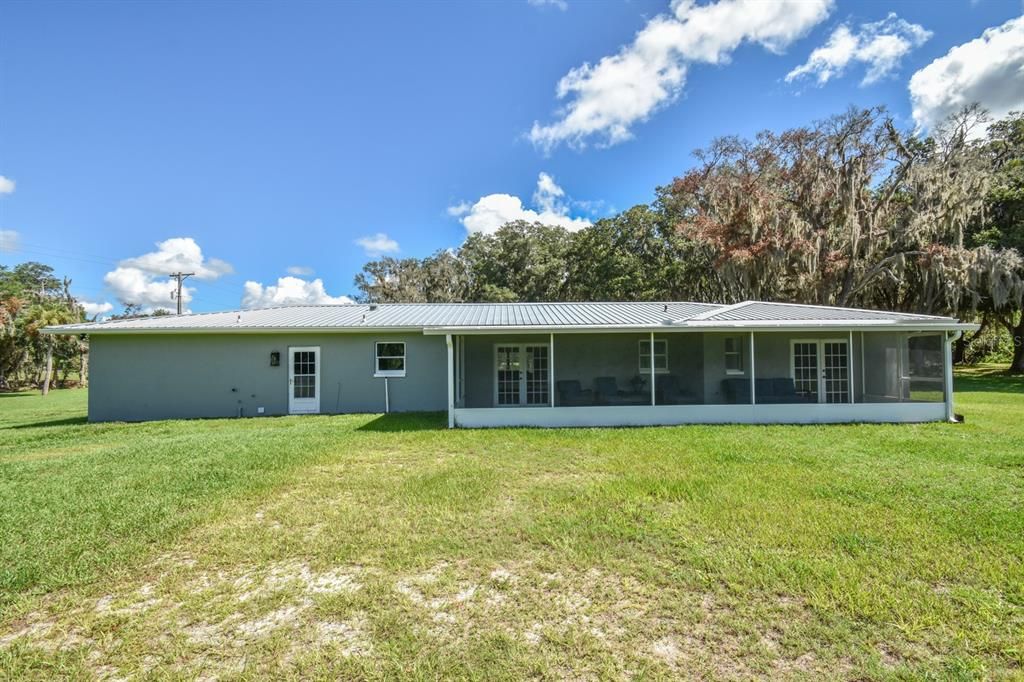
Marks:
<point>136,377</point>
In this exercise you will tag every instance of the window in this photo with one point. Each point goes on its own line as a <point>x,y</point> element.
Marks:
<point>734,355</point>
<point>390,359</point>
<point>660,356</point>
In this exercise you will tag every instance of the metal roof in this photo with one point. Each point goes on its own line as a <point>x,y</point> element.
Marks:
<point>443,317</point>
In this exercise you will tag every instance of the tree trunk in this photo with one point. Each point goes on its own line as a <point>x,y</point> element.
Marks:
<point>49,368</point>
<point>83,371</point>
<point>1017,337</point>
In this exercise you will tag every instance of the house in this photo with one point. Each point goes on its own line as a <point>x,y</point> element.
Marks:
<point>529,364</point>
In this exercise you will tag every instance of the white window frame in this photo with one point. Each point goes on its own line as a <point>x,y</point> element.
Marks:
<point>377,357</point>
<point>645,351</point>
<point>738,353</point>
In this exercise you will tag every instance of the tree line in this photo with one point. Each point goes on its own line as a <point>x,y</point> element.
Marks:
<point>848,211</point>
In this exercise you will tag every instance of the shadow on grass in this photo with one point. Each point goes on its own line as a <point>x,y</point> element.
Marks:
<point>408,421</point>
<point>988,379</point>
<point>67,421</point>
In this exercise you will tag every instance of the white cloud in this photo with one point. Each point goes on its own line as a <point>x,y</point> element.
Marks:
<point>6,185</point>
<point>606,99</point>
<point>179,254</point>
<point>560,4</point>
<point>879,45</point>
<point>94,309</point>
<point>8,241</point>
<point>494,210</point>
<point>132,285</point>
<point>288,291</point>
<point>299,270</point>
<point>377,244</point>
<point>143,280</point>
<point>988,70</point>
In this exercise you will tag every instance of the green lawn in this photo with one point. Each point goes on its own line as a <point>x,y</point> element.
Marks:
<point>390,547</point>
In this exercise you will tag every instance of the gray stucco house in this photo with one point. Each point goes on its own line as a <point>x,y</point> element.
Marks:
<point>530,364</point>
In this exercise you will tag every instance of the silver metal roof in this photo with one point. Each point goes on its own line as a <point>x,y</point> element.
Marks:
<point>443,317</point>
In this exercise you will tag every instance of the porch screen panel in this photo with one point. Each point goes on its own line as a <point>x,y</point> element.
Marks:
<point>508,375</point>
<point>537,378</point>
<point>805,369</point>
<point>837,372</point>
<point>924,368</point>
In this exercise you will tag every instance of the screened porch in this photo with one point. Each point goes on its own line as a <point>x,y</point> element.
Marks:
<point>698,376</point>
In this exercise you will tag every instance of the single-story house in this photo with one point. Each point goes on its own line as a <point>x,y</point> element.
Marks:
<point>529,364</point>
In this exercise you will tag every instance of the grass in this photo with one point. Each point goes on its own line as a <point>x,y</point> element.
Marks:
<point>371,546</point>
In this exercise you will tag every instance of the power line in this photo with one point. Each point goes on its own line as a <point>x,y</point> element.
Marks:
<point>180,277</point>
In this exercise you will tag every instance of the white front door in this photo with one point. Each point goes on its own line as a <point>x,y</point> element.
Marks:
<point>820,369</point>
<point>521,375</point>
<point>304,380</point>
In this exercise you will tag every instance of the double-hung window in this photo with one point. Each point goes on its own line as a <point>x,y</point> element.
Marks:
<point>660,356</point>
<point>734,355</point>
<point>390,359</point>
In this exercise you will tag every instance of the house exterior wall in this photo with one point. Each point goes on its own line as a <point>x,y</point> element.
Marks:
<point>136,377</point>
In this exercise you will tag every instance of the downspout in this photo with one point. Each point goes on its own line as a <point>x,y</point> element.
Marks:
<point>947,347</point>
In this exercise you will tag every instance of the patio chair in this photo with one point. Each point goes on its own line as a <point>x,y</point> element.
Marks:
<point>570,393</point>
<point>736,391</point>
<point>670,391</point>
<point>606,390</point>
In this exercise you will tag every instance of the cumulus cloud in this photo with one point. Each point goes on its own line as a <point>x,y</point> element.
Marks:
<point>299,270</point>
<point>988,70</point>
<point>8,241</point>
<point>560,4</point>
<point>179,254</point>
<point>490,212</point>
<point>132,285</point>
<point>377,244</point>
<point>288,291</point>
<point>143,280</point>
<point>94,309</point>
<point>879,45</point>
<point>605,100</point>
<point>6,185</point>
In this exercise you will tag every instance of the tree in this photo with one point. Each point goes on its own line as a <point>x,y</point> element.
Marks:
<point>849,212</point>
<point>637,256</point>
<point>1002,226</point>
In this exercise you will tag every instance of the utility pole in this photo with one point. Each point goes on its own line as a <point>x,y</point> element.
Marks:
<point>180,277</point>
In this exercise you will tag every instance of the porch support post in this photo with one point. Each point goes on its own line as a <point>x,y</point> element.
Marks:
<point>451,382</point>
<point>849,367</point>
<point>652,369</point>
<point>863,374</point>
<point>551,368</point>
<point>753,400</point>
<point>947,351</point>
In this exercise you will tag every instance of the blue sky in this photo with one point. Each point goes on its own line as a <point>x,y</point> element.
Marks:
<point>250,138</point>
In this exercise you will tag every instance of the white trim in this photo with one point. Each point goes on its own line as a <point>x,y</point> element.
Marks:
<point>650,349</point>
<point>664,415</point>
<point>850,388</point>
<point>551,369</point>
<point>652,369</point>
<point>753,398</point>
<point>739,351</point>
<point>923,326</point>
<point>451,381</point>
<point>390,372</point>
<point>304,405</point>
<point>819,345</point>
<point>863,372</point>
